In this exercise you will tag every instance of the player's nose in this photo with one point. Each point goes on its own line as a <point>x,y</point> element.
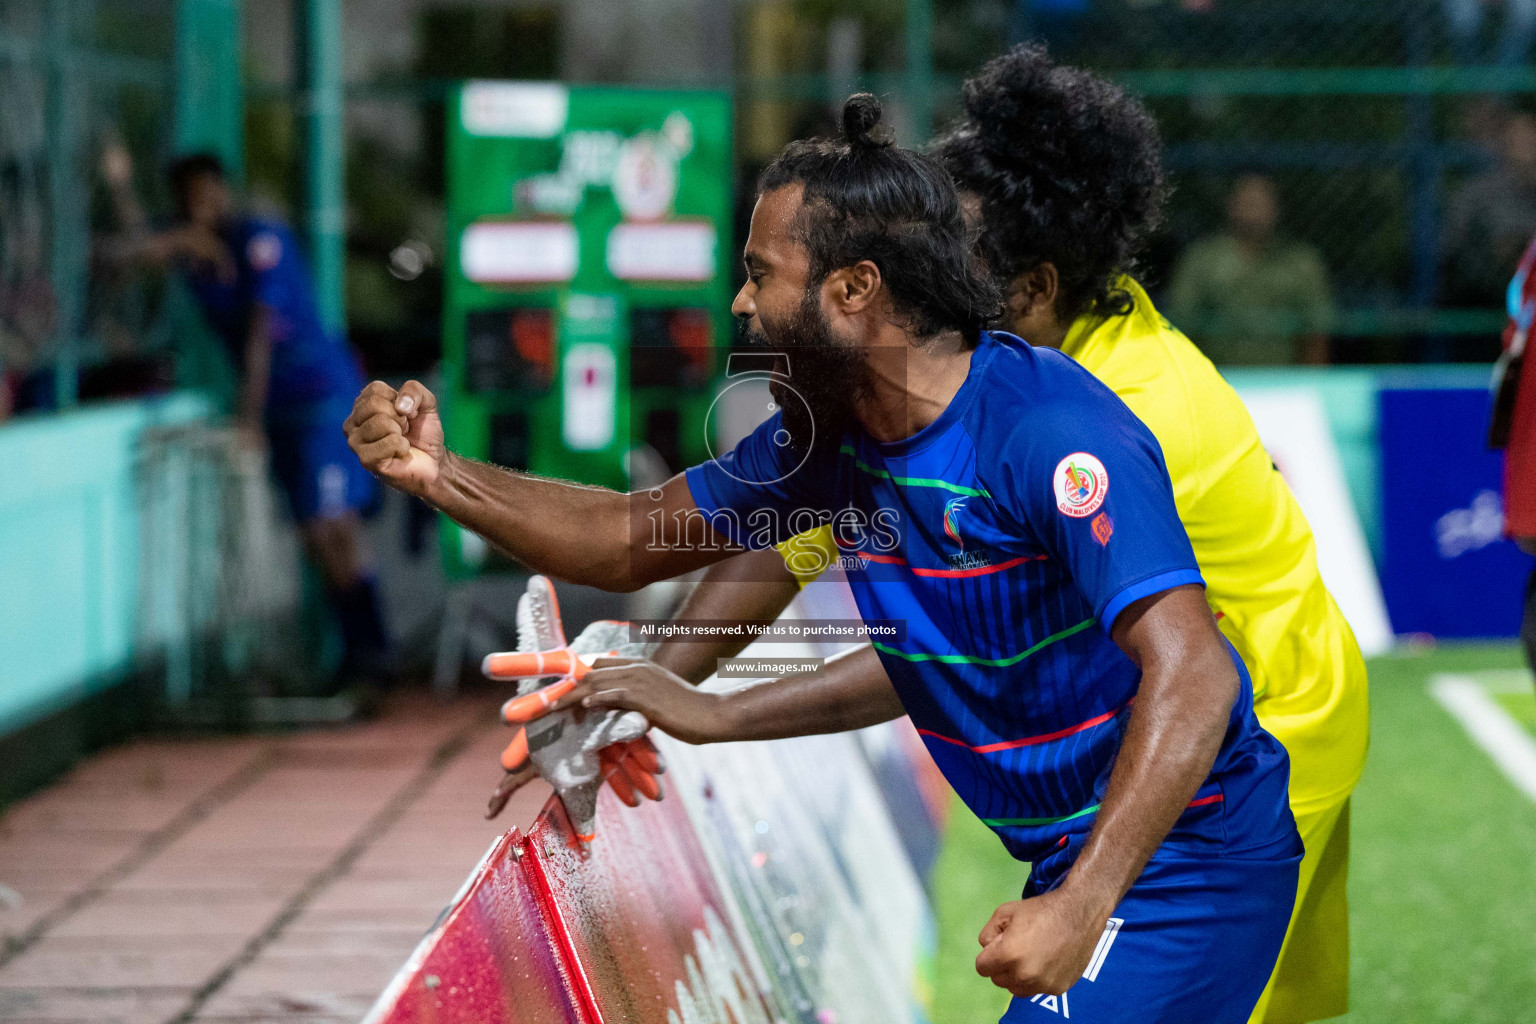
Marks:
<point>744,306</point>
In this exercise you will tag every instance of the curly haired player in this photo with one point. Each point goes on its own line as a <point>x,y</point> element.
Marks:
<point>1066,170</point>
<point>1062,173</point>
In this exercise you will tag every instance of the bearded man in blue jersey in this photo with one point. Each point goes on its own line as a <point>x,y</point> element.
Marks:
<point>1057,653</point>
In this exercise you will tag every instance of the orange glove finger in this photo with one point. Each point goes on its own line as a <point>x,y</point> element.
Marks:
<point>661,763</point>
<point>526,664</point>
<point>642,780</point>
<point>516,754</point>
<point>619,781</point>
<point>520,710</point>
<point>645,755</point>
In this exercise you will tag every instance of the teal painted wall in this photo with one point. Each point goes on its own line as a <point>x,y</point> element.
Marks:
<point>69,544</point>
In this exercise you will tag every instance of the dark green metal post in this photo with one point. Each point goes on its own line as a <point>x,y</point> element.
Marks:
<point>919,73</point>
<point>318,57</point>
<point>66,198</point>
<point>209,101</point>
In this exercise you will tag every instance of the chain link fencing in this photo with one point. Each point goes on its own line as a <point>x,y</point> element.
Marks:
<point>221,587</point>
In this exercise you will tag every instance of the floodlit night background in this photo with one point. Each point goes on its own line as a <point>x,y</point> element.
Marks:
<point>222,800</point>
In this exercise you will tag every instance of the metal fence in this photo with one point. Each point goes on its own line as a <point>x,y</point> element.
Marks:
<point>1387,128</point>
<point>78,77</point>
<point>1377,120</point>
<point>1384,125</point>
<point>219,575</point>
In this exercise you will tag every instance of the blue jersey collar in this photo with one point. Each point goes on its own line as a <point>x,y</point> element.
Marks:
<point>986,348</point>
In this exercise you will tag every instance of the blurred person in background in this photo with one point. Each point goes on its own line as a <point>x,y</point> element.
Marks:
<point>1464,18</point>
<point>1489,219</point>
<point>1248,295</point>
<point>297,376</point>
<point>1514,430</point>
<point>28,310</point>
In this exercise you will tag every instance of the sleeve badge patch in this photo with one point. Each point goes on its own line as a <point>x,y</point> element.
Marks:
<point>1081,483</point>
<point>1103,528</point>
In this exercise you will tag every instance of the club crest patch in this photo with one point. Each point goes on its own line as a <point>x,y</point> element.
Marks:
<point>1081,483</point>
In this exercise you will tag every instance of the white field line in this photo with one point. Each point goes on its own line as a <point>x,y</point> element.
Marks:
<point>1512,680</point>
<point>1490,727</point>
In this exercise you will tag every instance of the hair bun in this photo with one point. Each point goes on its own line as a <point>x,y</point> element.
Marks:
<point>861,119</point>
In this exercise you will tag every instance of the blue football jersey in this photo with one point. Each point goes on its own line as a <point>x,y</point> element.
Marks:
<point>1009,534</point>
<point>309,361</point>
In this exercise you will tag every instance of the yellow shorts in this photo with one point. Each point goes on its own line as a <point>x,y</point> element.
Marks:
<point>1311,979</point>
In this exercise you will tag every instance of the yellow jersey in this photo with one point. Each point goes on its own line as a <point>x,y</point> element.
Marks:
<point>1253,544</point>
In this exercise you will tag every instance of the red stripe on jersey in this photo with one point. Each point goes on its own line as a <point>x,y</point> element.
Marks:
<point>992,748</point>
<point>980,570</point>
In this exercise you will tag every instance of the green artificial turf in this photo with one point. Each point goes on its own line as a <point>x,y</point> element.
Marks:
<point>972,877</point>
<point>1442,875</point>
<point>1521,707</point>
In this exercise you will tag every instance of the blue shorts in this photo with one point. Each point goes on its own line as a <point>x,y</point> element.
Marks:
<point>1193,942</point>
<point>310,457</point>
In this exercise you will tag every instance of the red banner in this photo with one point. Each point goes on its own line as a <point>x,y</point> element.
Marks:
<point>490,958</point>
<point>769,885</point>
<point>624,930</point>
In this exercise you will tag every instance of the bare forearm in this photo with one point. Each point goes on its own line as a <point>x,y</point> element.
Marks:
<point>851,693</point>
<point>587,535</point>
<point>1175,731</point>
<point>148,248</point>
<point>754,587</point>
<point>1167,753</point>
<point>130,212</point>
<point>257,372</point>
<point>138,243</point>
<point>566,530</point>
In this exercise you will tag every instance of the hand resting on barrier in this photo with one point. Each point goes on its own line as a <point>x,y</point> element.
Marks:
<point>576,756</point>
<point>851,692</point>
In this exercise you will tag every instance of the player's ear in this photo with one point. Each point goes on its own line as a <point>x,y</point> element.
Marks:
<point>852,290</point>
<point>1034,291</point>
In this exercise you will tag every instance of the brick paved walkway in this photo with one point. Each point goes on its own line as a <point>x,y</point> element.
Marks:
<point>254,878</point>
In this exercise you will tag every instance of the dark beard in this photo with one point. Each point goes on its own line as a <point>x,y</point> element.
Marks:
<point>825,380</point>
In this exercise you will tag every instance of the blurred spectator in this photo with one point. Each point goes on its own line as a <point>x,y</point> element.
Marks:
<point>298,377</point>
<point>1489,219</point>
<point>1248,295</point>
<point>28,311</point>
<point>1515,430</point>
<point>1465,20</point>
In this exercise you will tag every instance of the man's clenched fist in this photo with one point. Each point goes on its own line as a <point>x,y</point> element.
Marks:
<point>1040,944</point>
<point>398,436</point>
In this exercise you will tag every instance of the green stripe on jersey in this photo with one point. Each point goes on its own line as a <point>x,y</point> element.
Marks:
<point>914,481</point>
<point>1027,822</point>
<point>966,659</point>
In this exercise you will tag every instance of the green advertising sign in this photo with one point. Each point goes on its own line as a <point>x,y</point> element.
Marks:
<point>587,283</point>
